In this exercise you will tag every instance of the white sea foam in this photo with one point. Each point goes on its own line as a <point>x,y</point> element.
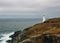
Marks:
<point>5,37</point>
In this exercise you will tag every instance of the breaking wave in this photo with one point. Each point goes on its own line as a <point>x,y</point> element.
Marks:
<point>5,37</point>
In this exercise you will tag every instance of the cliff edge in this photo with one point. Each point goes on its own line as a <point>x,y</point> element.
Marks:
<point>46,32</point>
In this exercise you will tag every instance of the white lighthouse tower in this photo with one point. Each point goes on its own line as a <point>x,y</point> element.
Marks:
<point>44,18</point>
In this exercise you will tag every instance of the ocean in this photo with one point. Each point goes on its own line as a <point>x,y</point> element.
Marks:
<point>9,25</point>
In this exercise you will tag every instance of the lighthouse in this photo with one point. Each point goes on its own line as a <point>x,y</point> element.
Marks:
<point>44,18</point>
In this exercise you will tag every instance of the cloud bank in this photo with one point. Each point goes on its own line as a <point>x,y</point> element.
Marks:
<point>30,6</point>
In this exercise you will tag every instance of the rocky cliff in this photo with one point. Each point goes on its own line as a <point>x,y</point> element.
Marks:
<point>46,32</point>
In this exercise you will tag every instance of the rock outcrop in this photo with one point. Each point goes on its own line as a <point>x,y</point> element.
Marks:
<point>46,32</point>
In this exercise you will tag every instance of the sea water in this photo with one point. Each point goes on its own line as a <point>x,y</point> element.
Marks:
<point>9,26</point>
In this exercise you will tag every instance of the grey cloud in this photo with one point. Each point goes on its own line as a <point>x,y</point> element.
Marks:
<point>28,3</point>
<point>31,6</point>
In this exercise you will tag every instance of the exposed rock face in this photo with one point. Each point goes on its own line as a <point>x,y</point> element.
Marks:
<point>47,32</point>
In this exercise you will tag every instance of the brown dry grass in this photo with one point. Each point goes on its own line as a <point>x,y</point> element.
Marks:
<point>46,27</point>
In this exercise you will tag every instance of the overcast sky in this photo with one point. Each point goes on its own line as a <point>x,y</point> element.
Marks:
<point>29,8</point>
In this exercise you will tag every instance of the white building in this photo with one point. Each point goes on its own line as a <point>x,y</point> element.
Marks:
<point>44,19</point>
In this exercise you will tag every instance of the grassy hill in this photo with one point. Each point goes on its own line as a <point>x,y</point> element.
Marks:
<point>46,32</point>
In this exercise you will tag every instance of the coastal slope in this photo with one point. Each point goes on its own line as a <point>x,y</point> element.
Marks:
<point>46,32</point>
